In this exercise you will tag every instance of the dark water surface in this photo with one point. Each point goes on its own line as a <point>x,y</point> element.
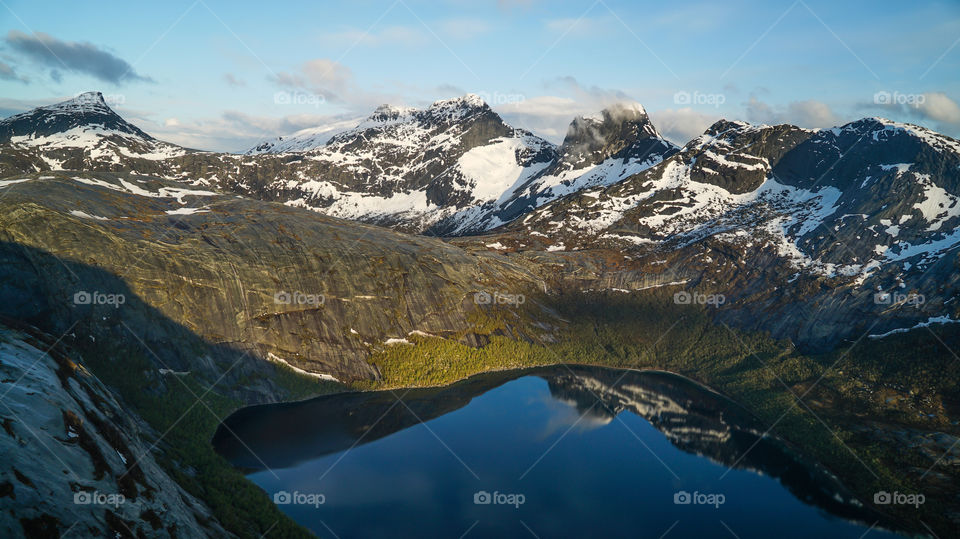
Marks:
<point>560,452</point>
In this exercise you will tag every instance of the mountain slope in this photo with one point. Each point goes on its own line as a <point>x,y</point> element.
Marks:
<point>288,285</point>
<point>305,139</point>
<point>78,134</point>
<point>782,221</point>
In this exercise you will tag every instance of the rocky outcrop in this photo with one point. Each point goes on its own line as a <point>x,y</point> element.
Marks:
<point>75,461</point>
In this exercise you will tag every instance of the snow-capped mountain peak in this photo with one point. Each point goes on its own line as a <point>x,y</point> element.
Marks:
<point>81,132</point>
<point>86,109</point>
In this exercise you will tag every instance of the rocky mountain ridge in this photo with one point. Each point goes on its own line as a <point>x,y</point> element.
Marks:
<point>780,219</point>
<point>453,168</point>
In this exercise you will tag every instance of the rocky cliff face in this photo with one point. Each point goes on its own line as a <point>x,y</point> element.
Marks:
<point>74,460</point>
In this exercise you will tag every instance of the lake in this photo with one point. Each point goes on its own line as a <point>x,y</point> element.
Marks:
<point>564,451</point>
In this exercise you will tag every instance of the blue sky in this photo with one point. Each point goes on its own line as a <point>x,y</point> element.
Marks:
<point>222,75</point>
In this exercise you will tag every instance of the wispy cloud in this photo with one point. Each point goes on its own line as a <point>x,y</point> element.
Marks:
<point>322,76</point>
<point>332,82</point>
<point>550,115</point>
<point>7,72</point>
<point>938,107</point>
<point>230,79</point>
<point>934,109</point>
<point>683,124</point>
<point>809,113</point>
<point>397,35</point>
<point>75,56</point>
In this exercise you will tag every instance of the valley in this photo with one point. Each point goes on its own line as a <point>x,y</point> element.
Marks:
<point>781,267</point>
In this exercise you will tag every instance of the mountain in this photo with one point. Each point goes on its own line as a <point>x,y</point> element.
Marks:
<point>78,134</point>
<point>409,168</point>
<point>305,139</point>
<point>452,168</point>
<point>782,221</point>
<point>600,150</point>
<point>689,265</point>
<point>456,168</point>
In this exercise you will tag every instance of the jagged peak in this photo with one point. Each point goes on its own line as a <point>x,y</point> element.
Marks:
<point>628,120</point>
<point>387,112</point>
<point>464,101</point>
<point>454,107</point>
<point>723,125</point>
<point>83,102</point>
<point>86,102</point>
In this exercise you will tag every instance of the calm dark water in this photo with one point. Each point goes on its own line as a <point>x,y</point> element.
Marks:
<point>558,452</point>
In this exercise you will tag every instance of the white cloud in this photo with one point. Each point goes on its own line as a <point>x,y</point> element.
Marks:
<point>405,36</point>
<point>682,125</point>
<point>938,107</point>
<point>322,76</point>
<point>550,115</point>
<point>934,110</point>
<point>809,113</point>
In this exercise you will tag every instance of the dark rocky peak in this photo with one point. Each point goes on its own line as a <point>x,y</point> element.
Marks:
<point>623,123</point>
<point>443,111</point>
<point>724,126</point>
<point>621,130</point>
<point>85,110</point>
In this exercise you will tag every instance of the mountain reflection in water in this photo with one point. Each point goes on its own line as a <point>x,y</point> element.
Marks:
<point>268,440</point>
